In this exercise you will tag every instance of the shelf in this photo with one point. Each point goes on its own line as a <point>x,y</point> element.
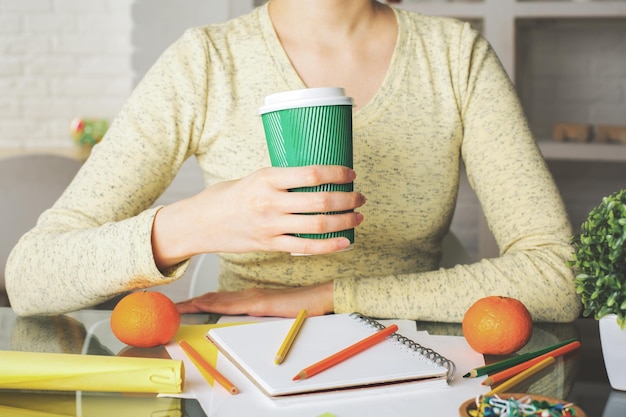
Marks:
<point>520,10</point>
<point>498,17</point>
<point>586,152</point>
<point>458,10</point>
<point>589,9</point>
<point>499,20</point>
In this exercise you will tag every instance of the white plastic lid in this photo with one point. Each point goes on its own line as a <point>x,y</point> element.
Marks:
<point>308,97</point>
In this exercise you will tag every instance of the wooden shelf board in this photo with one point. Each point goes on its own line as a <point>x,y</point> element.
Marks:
<point>573,9</point>
<point>583,151</point>
<point>527,9</point>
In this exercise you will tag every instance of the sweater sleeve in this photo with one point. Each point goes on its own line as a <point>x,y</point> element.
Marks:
<point>521,203</point>
<point>95,242</point>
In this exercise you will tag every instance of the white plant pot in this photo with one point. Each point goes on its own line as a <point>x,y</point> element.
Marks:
<point>613,340</point>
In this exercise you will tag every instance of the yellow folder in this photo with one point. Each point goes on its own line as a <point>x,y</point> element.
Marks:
<point>74,372</point>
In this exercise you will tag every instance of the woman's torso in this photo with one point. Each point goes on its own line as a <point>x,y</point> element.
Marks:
<point>407,143</point>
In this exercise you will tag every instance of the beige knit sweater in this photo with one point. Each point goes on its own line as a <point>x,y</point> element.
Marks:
<point>445,99</point>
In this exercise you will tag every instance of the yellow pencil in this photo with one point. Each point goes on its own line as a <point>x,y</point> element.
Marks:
<point>510,383</point>
<point>291,336</point>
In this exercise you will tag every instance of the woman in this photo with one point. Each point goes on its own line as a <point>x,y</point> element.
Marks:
<point>428,92</point>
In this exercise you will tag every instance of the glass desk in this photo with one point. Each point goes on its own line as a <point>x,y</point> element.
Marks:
<point>579,377</point>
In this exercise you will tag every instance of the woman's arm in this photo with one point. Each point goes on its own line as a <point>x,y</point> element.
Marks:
<point>521,203</point>
<point>95,242</point>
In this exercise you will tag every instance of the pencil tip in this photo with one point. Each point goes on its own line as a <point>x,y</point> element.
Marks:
<point>466,375</point>
<point>301,375</point>
<point>278,360</point>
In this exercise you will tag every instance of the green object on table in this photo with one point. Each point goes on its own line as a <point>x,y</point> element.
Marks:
<point>507,363</point>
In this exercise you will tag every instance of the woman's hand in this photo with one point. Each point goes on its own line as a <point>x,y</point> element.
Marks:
<point>258,213</point>
<point>316,299</point>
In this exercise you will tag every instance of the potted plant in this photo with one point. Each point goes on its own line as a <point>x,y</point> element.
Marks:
<point>600,266</point>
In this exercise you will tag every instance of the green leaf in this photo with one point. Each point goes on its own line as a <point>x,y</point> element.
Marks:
<point>611,300</point>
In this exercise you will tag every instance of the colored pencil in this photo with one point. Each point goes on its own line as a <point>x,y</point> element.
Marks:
<point>522,376</point>
<point>509,372</point>
<point>515,360</point>
<point>200,361</point>
<point>291,336</point>
<point>346,353</point>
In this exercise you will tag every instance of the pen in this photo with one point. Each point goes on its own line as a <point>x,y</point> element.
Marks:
<point>507,373</point>
<point>506,385</point>
<point>200,361</point>
<point>346,353</point>
<point>291,336</point>
<point>507,363</point>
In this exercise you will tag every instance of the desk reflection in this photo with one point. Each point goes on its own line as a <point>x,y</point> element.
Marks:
<point>555,381</point>
<point>615,405</point>
<point>89,333</point>
<point>65,334</point>
<point>93,405</point>
<point>54,334</point>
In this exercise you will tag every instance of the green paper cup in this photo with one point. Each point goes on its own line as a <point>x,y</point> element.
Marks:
<point>312,126</point>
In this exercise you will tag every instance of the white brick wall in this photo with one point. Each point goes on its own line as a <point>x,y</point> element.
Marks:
<point>60,59</point>
<point>65,58</point>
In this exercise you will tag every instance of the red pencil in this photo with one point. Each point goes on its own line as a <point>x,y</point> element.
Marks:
<point>514,370</point>
<point>346,353</point>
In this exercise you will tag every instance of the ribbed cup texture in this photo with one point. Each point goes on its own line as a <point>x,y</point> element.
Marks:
<point>320,135</point>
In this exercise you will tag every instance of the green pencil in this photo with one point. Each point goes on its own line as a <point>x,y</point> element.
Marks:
<point>507,363</point>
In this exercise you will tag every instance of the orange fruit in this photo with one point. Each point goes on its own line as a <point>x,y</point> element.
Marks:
<point>145,319</point>
<point>497,325</point>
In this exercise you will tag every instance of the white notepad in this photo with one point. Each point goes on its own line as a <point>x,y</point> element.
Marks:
<point>393,362</point>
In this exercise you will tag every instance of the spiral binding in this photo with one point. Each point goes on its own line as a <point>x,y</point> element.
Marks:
<point>423,351</point>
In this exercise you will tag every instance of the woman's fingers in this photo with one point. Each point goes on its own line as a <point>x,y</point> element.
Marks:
<point>306,246</point>
<point>321,223</point>
<point>320,202</point>
<point>307,176</point>
<point>259,213</point>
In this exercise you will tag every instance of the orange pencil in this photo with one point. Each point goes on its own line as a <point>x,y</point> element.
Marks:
<point>507,373</point>
<point>200,361</point>
<point>346,353</point>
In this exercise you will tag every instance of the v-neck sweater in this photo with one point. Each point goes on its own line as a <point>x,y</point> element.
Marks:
<point>444,104</point>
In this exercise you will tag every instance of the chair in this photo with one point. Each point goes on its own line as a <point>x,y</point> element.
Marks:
<point>29,184</point>
<point>204,274</point>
